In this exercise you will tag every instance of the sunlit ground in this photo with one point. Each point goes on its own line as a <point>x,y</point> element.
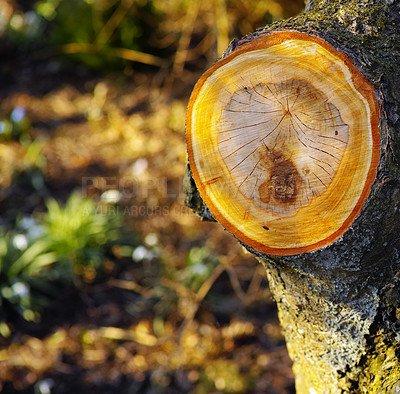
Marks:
<point>123,289</point>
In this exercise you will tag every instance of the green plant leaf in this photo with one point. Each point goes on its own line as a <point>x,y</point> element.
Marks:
<point>30,258</point>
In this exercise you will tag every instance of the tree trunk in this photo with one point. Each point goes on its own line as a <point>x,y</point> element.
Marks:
<point>339,306</point>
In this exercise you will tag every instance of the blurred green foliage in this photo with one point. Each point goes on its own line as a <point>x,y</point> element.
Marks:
<point>23,285</point>
<point>79,234</point>
<point>69,244</point>
<point>16,126</point>
<point>92,26</point>
<point>120,23</point>
<point>108,34</point>
<point>25,30</point>
<point>201,263</point>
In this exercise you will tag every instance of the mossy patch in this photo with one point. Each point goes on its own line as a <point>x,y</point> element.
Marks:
<point>381,371</point>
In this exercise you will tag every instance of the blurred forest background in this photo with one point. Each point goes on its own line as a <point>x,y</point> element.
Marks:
<point>108,283</point>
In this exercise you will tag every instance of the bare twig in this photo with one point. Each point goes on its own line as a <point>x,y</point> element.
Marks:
<point>222,26</point>
<point>131,285</point>
<point>116,18</point>
<point>233,278</point>
<point>184,41</point>
<point>123,53</point>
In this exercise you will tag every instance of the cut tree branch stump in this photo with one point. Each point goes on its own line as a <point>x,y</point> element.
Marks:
<point>294,147</point>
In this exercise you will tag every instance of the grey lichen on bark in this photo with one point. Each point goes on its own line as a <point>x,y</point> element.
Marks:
<point>340,306</point>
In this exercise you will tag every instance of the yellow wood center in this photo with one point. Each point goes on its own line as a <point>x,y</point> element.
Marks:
<point>282,143</point>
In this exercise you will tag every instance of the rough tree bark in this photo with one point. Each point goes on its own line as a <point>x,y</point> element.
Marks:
<point>340,306</point>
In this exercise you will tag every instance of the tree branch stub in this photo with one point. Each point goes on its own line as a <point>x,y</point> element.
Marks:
<point>283,142</point>
<point>336,286</point>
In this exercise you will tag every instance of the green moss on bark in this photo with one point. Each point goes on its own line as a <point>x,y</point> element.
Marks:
<point>381,368</point>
